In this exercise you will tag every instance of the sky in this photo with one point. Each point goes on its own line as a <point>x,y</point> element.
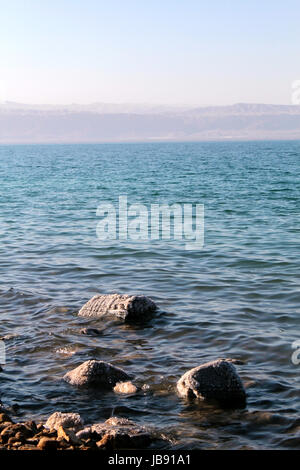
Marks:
<point>180,52</point>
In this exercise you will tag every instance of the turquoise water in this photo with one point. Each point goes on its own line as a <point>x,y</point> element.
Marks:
<point>237,297</point>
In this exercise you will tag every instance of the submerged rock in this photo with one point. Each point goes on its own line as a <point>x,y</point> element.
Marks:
<point>124,306</point>
<point>117,433</point>
<point>90,331</point>
<point>215,380</point>
<point>66,420</point>
<point>96,373</point>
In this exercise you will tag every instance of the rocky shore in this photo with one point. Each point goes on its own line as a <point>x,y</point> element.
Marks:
<point>216,381</point>
<point>66,431</point>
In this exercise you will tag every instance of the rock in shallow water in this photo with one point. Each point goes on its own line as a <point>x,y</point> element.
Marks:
<point>117,433</point>
<point>215,380</point>
<point>67,420</point>
<point>96,373</point>
<point>124,306</point>
<point>127,388</point>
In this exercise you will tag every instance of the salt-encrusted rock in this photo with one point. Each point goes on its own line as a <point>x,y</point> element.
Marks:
<point>67,435</point>
<point>125,388</point>
<point>215,380</point>
<point>121,432</point>
<point>126,307</point>
<point>96,373</point>
<point>11,430</point>
<point>66,420</point>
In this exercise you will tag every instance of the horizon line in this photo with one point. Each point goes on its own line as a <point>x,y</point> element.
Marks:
<point>148,104</point>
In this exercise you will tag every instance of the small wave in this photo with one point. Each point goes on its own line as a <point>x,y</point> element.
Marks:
<point>67,352</point>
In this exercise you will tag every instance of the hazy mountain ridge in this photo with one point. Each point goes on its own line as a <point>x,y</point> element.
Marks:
<point>100,122</point>
<point>98,108</point>
<point>247,108</point>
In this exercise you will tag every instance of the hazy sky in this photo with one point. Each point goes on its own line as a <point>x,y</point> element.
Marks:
<point>149,51</point>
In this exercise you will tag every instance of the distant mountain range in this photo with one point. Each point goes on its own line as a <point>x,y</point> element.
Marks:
<point>101,122</point>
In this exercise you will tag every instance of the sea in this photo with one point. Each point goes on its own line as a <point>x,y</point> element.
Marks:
<point>236,296</point>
